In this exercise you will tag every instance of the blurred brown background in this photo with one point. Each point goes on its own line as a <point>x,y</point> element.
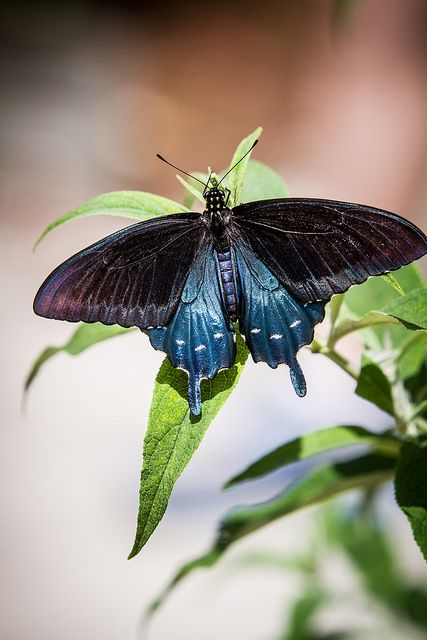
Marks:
<point>90,92</point>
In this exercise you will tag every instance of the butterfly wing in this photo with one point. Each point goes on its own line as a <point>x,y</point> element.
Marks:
<point>133,277</point>
<point>199,338</point>
<point>274,323</point>
<point>317,248</point>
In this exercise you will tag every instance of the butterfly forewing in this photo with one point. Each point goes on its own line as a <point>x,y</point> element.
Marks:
<point>317,248</point>
<point>132,278</point>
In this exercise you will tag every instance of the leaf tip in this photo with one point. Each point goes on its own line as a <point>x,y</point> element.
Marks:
<point>134,551</point>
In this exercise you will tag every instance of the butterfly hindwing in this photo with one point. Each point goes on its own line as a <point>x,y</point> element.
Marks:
<point>133,277</point>
<point>199,338</point>
<point>317,248</point>
<point>274,324</point>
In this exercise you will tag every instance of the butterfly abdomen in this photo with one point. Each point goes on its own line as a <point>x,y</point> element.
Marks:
<point>228,282</point>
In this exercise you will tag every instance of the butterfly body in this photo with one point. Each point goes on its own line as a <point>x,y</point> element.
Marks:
<point>228,282</point>
<point>271,265</point>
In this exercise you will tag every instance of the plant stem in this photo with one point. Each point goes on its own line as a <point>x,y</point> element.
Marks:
<point>329,352</point>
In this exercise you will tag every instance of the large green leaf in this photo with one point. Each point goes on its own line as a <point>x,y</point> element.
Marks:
<point>84,337</point>
<point>236,177</point>
<point>314,444</point>
<point>173,435</point>
<point>374,386</point>
<point>318,485</point>
<point>137,205</point>
<point>411,494</point>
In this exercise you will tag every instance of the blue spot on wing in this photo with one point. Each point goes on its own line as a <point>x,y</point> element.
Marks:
<point>199,338</point>
<point>274,324</point>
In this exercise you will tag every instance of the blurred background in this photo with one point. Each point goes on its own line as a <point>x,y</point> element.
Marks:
<point>90,92</point>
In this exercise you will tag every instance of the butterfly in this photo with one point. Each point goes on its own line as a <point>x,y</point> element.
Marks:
<point>269,265</point>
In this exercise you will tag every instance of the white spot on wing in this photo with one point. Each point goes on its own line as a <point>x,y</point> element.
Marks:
<point>180,341</point>
<point>276,336</point>
<point>200,347</point>
<point>218,335</point>
<point>255,330</point>
<point>295,324</point>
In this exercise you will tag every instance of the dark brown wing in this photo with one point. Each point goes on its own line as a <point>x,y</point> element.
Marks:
<point>133,277</point>
<point>317,248</point>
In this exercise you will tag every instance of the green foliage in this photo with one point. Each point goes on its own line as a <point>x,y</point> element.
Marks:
<point>314,444</point>
<point>84,337</point>
<point>364,540</point>
<point>373,385</point>
<point>410,310</point>
<point>366,546</point>
<point>317,485</point>
<point>411,494</point>
<point>411,355</point>
<point>261,180</point>
<point>126,204</point>
<point>173,435</point>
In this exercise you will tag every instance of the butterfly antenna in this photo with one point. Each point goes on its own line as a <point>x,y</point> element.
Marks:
<point>235,165</point>
<point>181,170</point>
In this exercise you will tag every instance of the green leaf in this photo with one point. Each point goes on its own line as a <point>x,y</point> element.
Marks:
<point>194,192</point>
<point>314,444</point>
<point>411,494</point>
<point>173,435</point>
<point>84,337</point>
<point>410,310</point>
<point>318,485</point>
<point>374,386</point>
<point>261,182</point>
<point>412,355</point>
<point>236,177</point>
<point>138,205</point>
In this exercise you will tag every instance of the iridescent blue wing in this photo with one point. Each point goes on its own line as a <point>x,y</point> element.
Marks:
<point>274,323</point>
<point>199,338</point>
<point>317,248</point>
<point>133,277</point>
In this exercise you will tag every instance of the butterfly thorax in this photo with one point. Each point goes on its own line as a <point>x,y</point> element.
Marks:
<point>216,216</point>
